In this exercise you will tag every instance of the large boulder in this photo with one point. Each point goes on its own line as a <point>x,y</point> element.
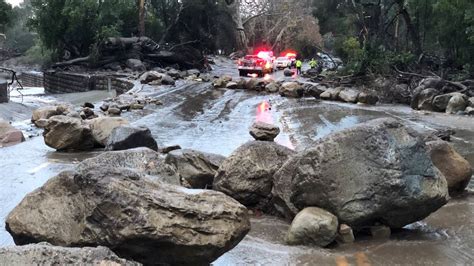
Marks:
<point>457,103</point>
<point>440,102</point>
<point>156,78</point>
<point>9,135</point>
<point>313,226</point>
<point>135,65</point>
<point>291,89</point>
<point>331,94</point>
<point>46,254</point>
<point>425,99</point>
<point>349,95</point>
<point>367,98</point>
<point>142,160</point>
<point>102,128</point>
<point>288,72</point>
<point>272,87</point>
<point>129,137</point>
<point>247,174</point>
<point>399,93</point>
<point>196,169</point>
<point>264,131</point>
<point>456,169</point>
<point>68,133</point>
<point>222,81</point>
<point>142,220</point>
<point>376,172</point>
<point>44,113</point>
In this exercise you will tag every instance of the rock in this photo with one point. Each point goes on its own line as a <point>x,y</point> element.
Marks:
<point>469,110</point>
<point>313,226</point>
<point>114,111</point>
<point>102,128</point>
<point>443,134</point>
<point>128,137</point>
<point>454,167</point>
<point>68,133</point>
<point>470,102</point>
<point>291,90</point>
<point>288,72</point>
<point>331,94</point>
<point>168,149</point>
<point>272,87</point>
<point>43,122</point>
<point>46,254</point>
<point>222,82</point>
<point>104,107</point>
<point>264,132</point>
<point>457,103</point>
<point>241,84</point>
<point>139,219</point>
<point>314,90</point>
<point>156,78</point>
<point>197,169</point>
<point>345,234</point>
<point>376,171</point>
<point>426,98</point>
<point>255,84</point>
<point>167,80</point>
<point>174,73</point>
<point>9,135</point>
<point>247,175</point>
<point>312,72</point>
<point>436,83</point>
<point>143,160</point>
<point>194,71</point>
<point>348,95</point>
<point>232,85</point>
<point>137,106</point>
<point>44,113</point>
<point>368,99</point>
<point>87,113</point>
<point>88,105</point>
<point>400,93</point>
<point>136,65</point>
<point>380,232</point>
<point>416,97</point>
<point>440,102</point>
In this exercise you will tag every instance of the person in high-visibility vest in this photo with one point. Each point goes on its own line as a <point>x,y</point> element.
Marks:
<point>313,63</point>
<point>299,65</point>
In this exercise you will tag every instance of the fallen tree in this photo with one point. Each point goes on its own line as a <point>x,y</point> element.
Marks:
<point>119,49</point>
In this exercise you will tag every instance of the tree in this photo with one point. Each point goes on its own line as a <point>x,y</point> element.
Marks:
<point>5,15</point>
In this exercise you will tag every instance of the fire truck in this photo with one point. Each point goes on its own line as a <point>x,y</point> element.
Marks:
<point>261,64</point>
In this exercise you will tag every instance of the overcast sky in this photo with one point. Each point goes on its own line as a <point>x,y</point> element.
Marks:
<point>14,2</point>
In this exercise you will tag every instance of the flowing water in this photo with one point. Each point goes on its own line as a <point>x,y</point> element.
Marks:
<point>196,116</point>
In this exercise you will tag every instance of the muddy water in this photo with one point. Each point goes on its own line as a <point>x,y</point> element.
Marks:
<point>199,117</point>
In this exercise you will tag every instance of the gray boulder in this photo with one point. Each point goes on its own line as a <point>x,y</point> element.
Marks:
<point>264,132</point>
<point>374,172</point>
<point>272,87</point>
<point>136,65</point>
<point>288,72</point>
<point>291,89</point>
<point>247,174</point>
<point>142,160</point>
<point>313,227</point>
<point>426,98</point>
<point>46,254</point>
<point>196,169</point>
<point>44,113</point>
<point>348,95</point>
<point>68,133</point>
<point>457,103</point>
<point>366,98</point>
<point>129,137</point>
<point>440,102</point>
<point>331,94</point>
<point>470,102</point>
<point>142,220</point>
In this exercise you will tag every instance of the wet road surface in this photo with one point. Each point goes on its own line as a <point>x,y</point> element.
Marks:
<point>199,117</point>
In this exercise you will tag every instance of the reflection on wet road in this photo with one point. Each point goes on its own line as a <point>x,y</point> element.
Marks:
<point>199,117</point>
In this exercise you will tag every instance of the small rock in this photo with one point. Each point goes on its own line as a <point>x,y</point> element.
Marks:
<point>264,132</point>
<point>114,111</point>
<point>313,226</point>
<point>345,234</point>
<point>9,135</point>
<point>380,232</point>
<point>232,85</point>
<point>137,106</point>
<point>174,73</point>
<point>87,113</point>
<point>127,137</point>
<point>169,149</point>
<point>470,111</point>
<point>470,102</point>
<point>88,105</point>
<point>104,107</point>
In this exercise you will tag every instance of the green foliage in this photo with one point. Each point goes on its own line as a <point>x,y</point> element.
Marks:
<point>5,15</point>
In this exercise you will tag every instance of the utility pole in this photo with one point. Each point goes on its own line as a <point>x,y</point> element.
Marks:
<point>141,19</point>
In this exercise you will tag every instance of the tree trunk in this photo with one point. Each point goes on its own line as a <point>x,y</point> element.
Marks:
<point>239,32</point>
<point>141,19</point>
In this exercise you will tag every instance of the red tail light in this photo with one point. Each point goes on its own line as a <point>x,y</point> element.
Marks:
<point>239,62</point>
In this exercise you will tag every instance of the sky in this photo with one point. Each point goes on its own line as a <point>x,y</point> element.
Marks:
<point>14,2</point>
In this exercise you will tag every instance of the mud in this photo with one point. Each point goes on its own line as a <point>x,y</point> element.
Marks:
<point>194,115</point>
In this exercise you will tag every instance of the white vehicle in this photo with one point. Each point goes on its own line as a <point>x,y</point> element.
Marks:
<point>282,62</point>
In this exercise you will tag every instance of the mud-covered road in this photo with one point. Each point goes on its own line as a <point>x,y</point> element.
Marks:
<point>194,115</point>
